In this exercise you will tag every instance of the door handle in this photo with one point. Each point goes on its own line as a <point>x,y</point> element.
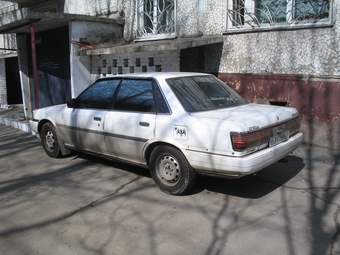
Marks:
<point>97,118</point>
<point>144,124</point>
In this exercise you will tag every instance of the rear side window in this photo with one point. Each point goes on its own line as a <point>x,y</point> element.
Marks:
<point>201,93</point>
<point>98,95</point>
<point>135,95</point>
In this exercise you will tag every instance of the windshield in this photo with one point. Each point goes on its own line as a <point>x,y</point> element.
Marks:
<point>202,93</point>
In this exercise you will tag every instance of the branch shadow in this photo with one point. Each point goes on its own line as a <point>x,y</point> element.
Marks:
<point>256,185</point>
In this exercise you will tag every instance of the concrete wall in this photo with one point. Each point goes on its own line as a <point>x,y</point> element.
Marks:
<point>93,8</point>
<point>27,87</point>
<point>301,67</point>
<point>92,33</point>
<point>317,101</point>
<point>3,87</point>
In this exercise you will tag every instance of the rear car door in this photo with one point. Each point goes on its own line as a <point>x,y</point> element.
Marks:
<point>84,122</point>
<point>131,122</point>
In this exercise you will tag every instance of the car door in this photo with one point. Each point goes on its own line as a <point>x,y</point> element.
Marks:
<point>84,122</point>
<point>131,122</point>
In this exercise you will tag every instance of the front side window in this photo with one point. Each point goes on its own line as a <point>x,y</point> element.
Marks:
<point>98,95</point>
<point>263,13</point>
<point>156,19</point>
<point>202,93</point>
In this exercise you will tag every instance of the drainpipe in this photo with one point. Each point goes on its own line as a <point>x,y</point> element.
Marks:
<point>34,66</point>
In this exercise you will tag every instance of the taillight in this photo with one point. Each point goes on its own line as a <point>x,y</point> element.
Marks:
<point>255,140</point>
<point>250,141</point>
<point>293,126</point>
<point>242,142</point>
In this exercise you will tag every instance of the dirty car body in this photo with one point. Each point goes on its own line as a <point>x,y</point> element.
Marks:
<point>176,124</point>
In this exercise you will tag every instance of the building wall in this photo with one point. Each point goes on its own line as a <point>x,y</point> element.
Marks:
<point>93,8</point>
<point>305,52</point>
<point>3,87</point>
<point>300,68</point>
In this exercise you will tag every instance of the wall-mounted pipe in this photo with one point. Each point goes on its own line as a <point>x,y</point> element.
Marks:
<point>34,66</point>
<point>82,45</point>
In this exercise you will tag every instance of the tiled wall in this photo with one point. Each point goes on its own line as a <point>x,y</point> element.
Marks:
<point>113,64</point>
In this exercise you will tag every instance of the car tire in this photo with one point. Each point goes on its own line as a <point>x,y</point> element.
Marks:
<point>50,141</point>
<point>171,171</point>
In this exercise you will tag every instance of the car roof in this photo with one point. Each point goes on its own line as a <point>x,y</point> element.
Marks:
<point>162,75</point>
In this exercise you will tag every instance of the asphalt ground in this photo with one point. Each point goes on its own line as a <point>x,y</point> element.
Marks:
<point>83,204</point>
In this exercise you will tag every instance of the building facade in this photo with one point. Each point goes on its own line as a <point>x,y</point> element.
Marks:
<point>10,92</point>
<point>280,52</point>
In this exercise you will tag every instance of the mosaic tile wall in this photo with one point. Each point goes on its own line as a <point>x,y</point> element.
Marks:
<point>305,52</point>
<point>108,65</point>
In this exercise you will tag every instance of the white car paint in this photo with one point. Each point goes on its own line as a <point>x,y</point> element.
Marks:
<point>203,137</point>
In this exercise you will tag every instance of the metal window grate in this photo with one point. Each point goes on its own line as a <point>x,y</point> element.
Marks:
<point>156,19</point>
<point>248,13</point>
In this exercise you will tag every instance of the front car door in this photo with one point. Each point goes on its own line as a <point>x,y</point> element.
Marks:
<point>84,122</point>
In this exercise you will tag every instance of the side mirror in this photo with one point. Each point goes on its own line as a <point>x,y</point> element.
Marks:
<point>72,103</point>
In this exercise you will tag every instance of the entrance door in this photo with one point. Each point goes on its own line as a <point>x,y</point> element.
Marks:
<point>53,66</point>
<point>14,94</point>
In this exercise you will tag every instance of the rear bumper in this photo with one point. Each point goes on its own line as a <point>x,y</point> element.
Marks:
<point>236,167</point>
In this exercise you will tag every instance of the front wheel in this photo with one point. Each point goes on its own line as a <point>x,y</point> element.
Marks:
<point>171,171</point>
<point>50,141</point>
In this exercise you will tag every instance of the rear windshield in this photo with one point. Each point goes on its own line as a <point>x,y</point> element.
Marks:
<point>202,93</point>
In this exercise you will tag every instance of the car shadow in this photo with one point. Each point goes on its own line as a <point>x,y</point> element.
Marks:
<point>113,163</point>
<point>252,186</point>
<point>255,185</point>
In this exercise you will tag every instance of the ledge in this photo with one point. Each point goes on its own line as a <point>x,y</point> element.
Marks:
<point>175,44</point>
<point>18,21</point>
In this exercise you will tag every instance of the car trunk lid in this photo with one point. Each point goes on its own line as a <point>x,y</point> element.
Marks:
<point>254,116</point>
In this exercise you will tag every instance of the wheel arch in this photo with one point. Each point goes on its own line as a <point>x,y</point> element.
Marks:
<point>41,124</point>
<point>152,146</point>
<point>64,150</point>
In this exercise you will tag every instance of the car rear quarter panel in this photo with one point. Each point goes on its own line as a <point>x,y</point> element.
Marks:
<point>198,134</point>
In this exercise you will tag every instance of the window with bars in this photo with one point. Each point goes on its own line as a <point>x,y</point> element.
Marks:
<point>156,19</point>
<point>8,42</point>
<point>264,13</point>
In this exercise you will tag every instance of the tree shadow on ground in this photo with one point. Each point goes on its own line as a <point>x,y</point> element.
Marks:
<point>256,185</point>
<point>252,186</point>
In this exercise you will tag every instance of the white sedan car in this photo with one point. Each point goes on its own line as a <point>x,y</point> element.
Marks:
<point>176,124</point>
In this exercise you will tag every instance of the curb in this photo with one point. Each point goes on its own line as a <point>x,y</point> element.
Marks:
<point>16,124</point>
<point>15,120</point>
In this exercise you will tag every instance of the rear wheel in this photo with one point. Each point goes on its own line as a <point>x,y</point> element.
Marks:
<point>50,141</point>
<point>171,171</point>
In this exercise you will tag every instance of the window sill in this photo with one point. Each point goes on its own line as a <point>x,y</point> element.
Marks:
<point>276,28</point>
<point>155,38</point>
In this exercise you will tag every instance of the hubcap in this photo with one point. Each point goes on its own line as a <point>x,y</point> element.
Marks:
<point>49,140</point>
<point>169,170</point>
